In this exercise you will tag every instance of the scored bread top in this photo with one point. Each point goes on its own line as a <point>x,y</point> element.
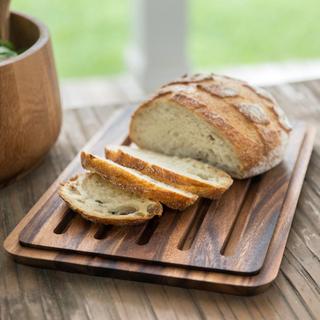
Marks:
<point>137,183</point>
<point>183,173</point>
<point>98,200</point>
<point>247,117</point>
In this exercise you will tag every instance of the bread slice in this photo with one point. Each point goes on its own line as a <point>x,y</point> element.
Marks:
<point>183,173</point>
<point>221,121</point>
<point>135,182</point>
<point>98,200</point>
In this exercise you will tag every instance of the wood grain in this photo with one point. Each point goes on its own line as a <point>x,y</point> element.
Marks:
<point>161,240</point>
<point>4,19</point>
<point>48,294</point>
<point>30,109</point>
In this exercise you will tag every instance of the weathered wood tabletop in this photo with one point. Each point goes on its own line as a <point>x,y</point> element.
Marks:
<point>31,293</point>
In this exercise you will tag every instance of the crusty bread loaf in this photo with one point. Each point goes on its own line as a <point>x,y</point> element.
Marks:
<point>216,119</point>
<point>135,182</point>
<point>98,200</point>
<point>183,173</point>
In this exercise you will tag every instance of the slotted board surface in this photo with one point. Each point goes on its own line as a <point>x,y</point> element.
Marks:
<point>231,235</point>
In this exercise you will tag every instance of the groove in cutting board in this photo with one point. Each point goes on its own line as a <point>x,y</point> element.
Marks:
<point>194,225</point>
<point>102,232</point>
<point>237,228</point>
<point>65,222</point>
<point>148,231</point>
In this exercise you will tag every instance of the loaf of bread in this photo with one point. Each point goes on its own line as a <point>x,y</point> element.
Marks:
<point>182,173</point>
<point>216,119</point>
<point>133,181</point>
<point>97,200</point>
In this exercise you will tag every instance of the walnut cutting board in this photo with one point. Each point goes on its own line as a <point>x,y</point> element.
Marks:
<point>232,235</point>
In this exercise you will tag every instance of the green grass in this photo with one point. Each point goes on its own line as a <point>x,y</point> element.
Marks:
<point>251,31</point>
<point>89,37</point>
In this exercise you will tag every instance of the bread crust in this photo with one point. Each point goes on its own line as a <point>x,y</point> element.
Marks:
<point>162,174</point>
<point>127,181</point>
<point>248,118</point>
<point>119,220</point>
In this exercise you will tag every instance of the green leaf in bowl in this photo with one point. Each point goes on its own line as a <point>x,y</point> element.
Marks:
<point>6,50</point>
<point>6,43</point>
<point>6,53</point>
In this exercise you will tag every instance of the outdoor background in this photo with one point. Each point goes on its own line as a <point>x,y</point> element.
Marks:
<point>90,37</point>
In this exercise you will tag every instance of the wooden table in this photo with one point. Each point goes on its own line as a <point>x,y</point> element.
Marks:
<point>31,293</point>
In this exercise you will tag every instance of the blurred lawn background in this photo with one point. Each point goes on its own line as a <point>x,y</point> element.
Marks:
<point>89,37</point>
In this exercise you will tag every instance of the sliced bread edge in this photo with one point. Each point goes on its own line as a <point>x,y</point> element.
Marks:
<point>133,181</point>
<point>70,191</point>
<point>202,188</point>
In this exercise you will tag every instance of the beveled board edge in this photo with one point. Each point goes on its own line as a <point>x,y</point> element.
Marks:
<point>227,283</point>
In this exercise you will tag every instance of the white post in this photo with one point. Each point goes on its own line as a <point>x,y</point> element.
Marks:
<point>158,51</point>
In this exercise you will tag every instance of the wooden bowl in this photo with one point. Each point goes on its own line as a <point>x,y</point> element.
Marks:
<point>30,107</point>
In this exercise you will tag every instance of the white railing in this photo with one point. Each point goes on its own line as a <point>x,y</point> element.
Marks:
<point>158,50</point>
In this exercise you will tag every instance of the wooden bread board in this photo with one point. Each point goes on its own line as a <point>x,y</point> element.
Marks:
<point>176,272</point>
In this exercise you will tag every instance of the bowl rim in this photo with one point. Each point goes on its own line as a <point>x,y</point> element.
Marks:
<point>44,37</point>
